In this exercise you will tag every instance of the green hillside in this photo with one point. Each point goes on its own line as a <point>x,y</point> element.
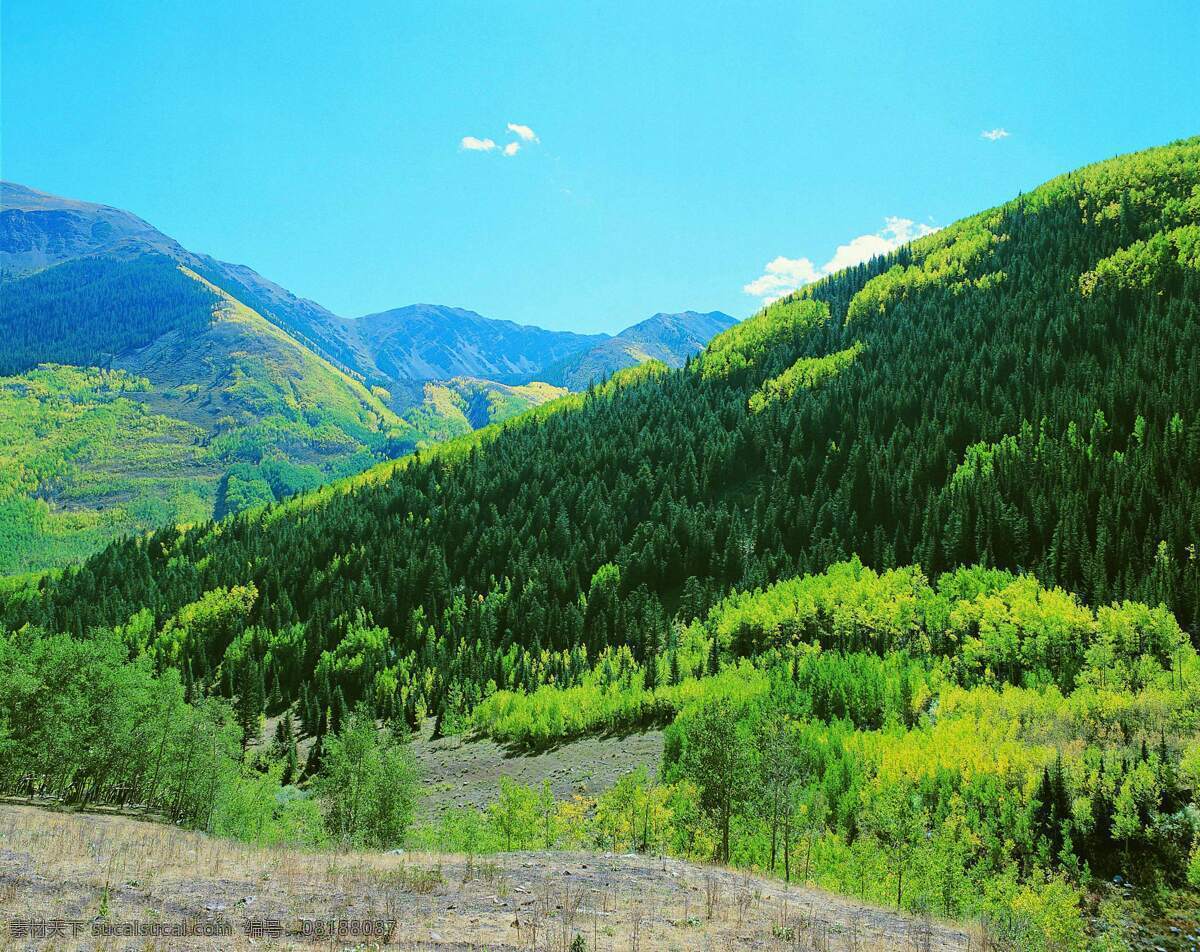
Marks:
<point>205,409</point>
<point>66,314</point>
<point>988,387</point>
<point>83,460</point>
<point>255,386</point>
<point>907,562</point>
<point>456,407</point>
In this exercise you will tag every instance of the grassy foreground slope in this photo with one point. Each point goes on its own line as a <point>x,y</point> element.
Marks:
<point>119,870</point>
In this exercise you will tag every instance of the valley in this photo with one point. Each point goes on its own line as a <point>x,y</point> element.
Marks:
<point>890,592</point>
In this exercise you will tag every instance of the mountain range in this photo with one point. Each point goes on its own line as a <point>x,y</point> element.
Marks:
<point>234,391</point>
<point>668,338</point>
<point>413,343</point>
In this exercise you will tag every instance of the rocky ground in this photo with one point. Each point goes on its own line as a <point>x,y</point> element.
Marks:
<point>75,881</point>
<point>463,770</point>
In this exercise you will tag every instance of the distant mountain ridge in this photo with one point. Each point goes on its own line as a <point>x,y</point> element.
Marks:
<point>398,349</point>
<point>38,230</point>
<point>436,342</point>
<point>670,338</point>
<point>415,343</point>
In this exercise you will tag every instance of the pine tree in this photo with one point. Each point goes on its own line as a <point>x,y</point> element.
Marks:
<point>250,700</point>
<point>337,715</point>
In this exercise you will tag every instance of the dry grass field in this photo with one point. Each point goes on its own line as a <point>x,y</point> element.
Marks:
<point>76,881</point>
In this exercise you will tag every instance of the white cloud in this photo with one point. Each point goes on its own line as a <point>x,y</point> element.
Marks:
<point>523,131</point>
<point>995,134</point>
<point>525,136</point>
<point>783,275</point>
<point>471,144</point>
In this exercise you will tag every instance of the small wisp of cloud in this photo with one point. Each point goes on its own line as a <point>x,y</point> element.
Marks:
<point>995,135</point>
<point>783,275</point>
<point>524,132</point>
<point>472,144</point>
<point>524,136</point>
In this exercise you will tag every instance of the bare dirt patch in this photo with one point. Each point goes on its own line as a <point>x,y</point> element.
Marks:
<point>461,770</point>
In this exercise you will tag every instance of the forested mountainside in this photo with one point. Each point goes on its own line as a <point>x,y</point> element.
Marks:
<point>1020,389</point>
<point>907,562</point>
<point>160,398</point>
<point>88,311</point>
<point>668,338</point>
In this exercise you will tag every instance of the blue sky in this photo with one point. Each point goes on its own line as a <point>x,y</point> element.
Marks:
<point>681,146</point>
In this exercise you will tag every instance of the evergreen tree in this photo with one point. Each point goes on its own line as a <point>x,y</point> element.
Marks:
<point>250,700</point>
